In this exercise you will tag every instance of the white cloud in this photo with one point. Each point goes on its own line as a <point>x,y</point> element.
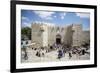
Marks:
<point>83,15</point>
<point>55,16</point>
<point>44,14</point>
<point>25,24</point>
<point>62,15</point>
<point>45,23</point>
<point>25,18</point>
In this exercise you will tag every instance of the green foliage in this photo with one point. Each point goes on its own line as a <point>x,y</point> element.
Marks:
<point>26,33</point>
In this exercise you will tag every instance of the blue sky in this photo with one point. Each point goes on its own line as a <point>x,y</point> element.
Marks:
<point>55,17</point>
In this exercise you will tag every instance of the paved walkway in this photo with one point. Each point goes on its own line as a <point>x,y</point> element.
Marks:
<point>51,56</point>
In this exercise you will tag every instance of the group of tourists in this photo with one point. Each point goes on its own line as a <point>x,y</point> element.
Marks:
<point>71,51</point>
<point>61,51</point>
<point>40,52</point>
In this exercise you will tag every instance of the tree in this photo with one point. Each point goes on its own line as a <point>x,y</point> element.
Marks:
<point>26,33</point>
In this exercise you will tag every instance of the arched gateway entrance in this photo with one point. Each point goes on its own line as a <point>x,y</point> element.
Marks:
<point>58,39</point>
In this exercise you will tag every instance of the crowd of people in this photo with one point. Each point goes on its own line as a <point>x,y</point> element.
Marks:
<point>76,50</point>
<point>61,51</point>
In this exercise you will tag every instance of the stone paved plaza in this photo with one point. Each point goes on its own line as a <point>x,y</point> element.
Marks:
<point>50,57</point>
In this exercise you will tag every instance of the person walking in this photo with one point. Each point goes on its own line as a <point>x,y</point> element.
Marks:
<point>25,56</point>
<point>64,51</point>
<point>60,54</point>
<point>70,54</point>
<point>83,50</point>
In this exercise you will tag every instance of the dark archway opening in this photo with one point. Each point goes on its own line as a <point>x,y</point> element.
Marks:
<point>58,40</point>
